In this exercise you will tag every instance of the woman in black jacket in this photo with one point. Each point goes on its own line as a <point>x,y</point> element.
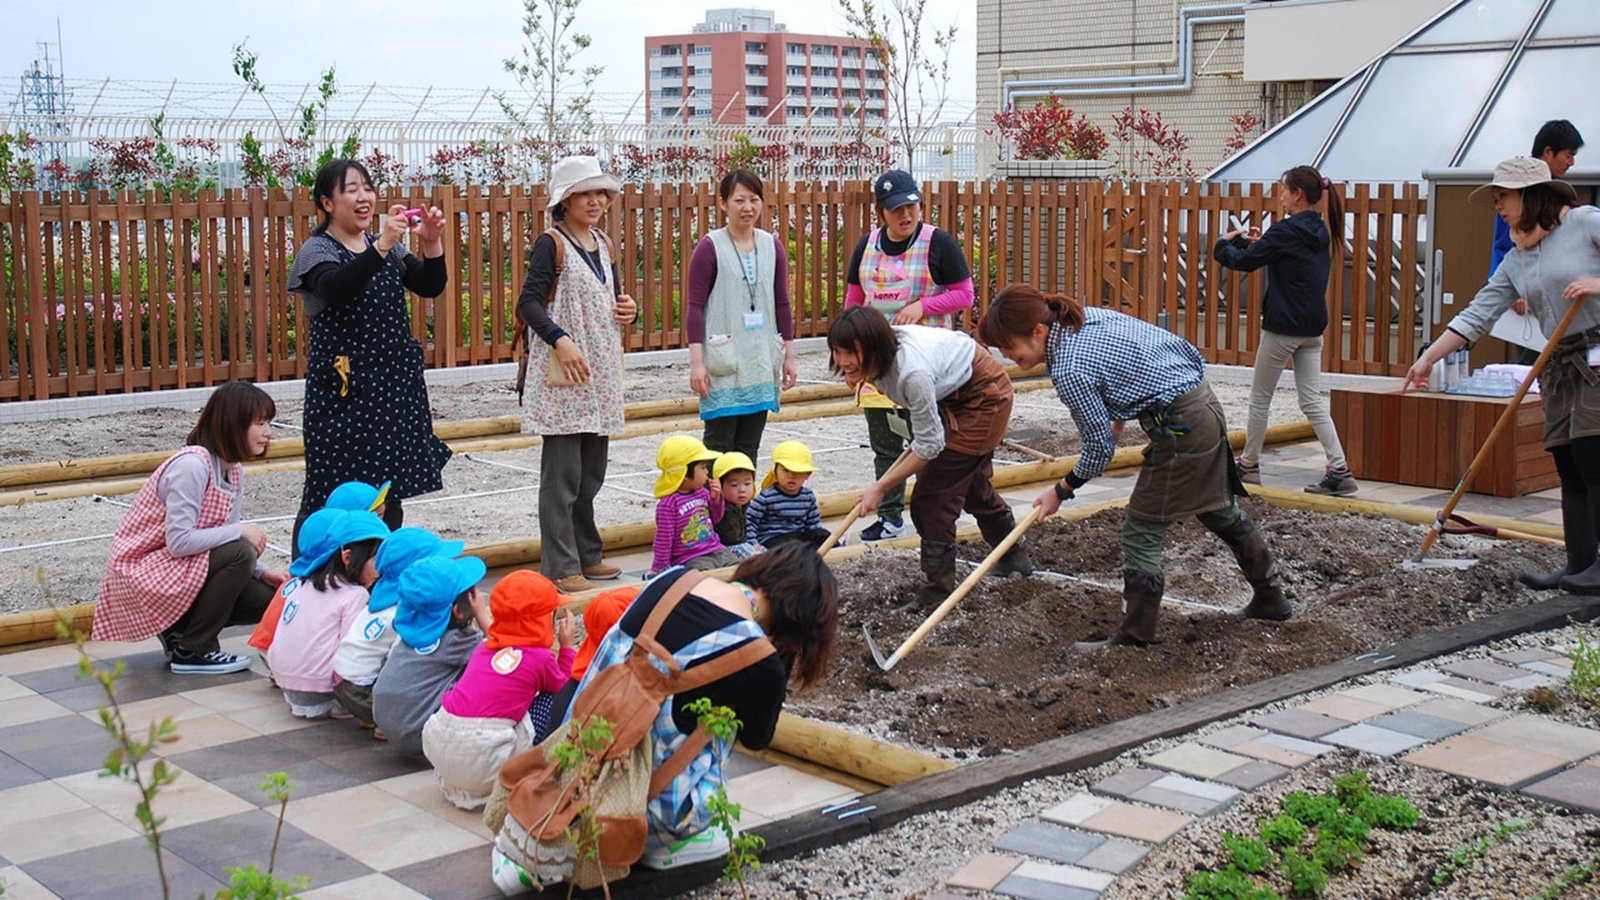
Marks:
<point>1297,253</point>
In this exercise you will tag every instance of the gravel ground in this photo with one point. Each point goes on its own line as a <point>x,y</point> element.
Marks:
<point>488,496</point>
<point>914,857</point>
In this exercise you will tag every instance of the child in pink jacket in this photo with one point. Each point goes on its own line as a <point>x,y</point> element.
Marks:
<point>319,610</point>
<point>513,676</point>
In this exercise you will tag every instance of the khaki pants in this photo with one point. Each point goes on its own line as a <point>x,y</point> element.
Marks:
<point>1275,351</point>
<point>467,754</point>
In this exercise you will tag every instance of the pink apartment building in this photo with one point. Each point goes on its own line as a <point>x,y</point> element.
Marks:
<point>741,66</point>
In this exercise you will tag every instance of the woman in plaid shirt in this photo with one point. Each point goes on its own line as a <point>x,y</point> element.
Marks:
<point>1108,368</point>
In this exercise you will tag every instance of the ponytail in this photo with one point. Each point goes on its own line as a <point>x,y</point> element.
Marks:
<point>1307,180</point>
<point>1019,308</point>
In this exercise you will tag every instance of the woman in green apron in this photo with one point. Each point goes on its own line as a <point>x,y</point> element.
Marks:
<point>1108,367</point>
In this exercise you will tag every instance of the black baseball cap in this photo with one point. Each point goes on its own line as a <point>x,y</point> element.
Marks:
<point>896,188</point>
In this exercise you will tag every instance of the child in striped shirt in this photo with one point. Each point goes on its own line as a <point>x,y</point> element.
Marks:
<point>786,510</point>
<point>689,505</point>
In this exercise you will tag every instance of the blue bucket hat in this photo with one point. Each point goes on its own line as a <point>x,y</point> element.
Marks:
<point>358,496</point>
<point>428,588</point>
<point>358,526</point>
<point>895,189</point>
<point>402,548</point>
<point>317,542</point>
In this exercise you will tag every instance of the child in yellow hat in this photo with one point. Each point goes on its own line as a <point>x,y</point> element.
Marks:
<point>786,510</point>
<point>687,509</point>
<point>736,474</point>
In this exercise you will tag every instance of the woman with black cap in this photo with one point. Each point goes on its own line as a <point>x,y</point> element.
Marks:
<point>914,274</point>
<point>1555,263</point>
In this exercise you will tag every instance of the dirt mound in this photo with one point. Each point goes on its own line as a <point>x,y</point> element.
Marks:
<point>997,674</point>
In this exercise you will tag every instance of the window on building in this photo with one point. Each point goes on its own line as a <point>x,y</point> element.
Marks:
<point>797,48</point>
<point>821,50</point>
<point>851,53</point>
<point>755,112</point>
<point>823,72</point>
<point>755,90</point>
<point>669,49</point>
<point>797,110</point>
<point>755,70</point>
<point>755,47</point>
<point>797,90</point>
<point>672,71</point>
<point>672,92</point>
<point>796,71</point>
<point>702,50</point>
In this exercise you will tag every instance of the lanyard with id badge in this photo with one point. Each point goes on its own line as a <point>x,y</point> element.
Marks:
<point>753,320</point>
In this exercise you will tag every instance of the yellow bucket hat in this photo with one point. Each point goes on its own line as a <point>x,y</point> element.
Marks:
<point>729,462</point>
<point>673,458</point>
<point>792,455</point>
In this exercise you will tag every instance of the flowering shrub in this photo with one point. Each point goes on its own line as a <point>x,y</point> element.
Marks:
<point>1049,130</point>
<point>16,169</point>
<point>1150,146</point>
<point>1246,126</point>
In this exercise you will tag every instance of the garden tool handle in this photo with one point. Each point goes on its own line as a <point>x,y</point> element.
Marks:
<point>1500,426</point>
<point>966,586</point>
<point>855,513</point>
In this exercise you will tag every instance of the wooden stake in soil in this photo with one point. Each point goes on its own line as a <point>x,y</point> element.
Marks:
<point>960,593</point>
<point>1500,426</point>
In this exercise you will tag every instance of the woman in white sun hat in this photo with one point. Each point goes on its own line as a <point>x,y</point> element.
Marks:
<point>572,302</point>
<point>1555,262</point>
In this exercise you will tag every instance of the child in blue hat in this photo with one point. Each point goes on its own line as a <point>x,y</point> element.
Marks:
<point>371,636</point>
<point>439,605</point>
<point>335,570</point>
<point>358,496</point>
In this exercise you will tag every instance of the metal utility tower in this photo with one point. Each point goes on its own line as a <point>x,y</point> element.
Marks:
<point>45,106</point>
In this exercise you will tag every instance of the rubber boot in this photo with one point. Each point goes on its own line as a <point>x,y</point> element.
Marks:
<point>939,567</point>
<point>1015,561</point>
<point>1249,547</point>
<point>1141,592</point>
<point>1577,526</point>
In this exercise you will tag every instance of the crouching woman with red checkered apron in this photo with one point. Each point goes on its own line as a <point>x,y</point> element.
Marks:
<point>182,566</point>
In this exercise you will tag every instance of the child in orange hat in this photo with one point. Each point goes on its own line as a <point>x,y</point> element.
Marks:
<point>605,609</point>
<point>485,718</point>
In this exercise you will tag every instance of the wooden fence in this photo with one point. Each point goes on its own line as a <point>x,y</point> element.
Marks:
<point>114,293</point>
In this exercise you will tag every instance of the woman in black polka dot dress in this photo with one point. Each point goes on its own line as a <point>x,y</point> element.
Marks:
<point>366,411</point>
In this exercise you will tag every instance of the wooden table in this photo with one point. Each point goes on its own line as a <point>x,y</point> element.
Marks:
<point>1428,440</point>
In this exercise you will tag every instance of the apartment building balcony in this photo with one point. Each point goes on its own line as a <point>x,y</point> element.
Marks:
<point>755,59</point>
<point>824,81</point>
<point>850,81</point>
<point>796,59</point>
<point>824,101</point>
<point>874,103</point>
<point>754,100</point>
<point>758,80</point>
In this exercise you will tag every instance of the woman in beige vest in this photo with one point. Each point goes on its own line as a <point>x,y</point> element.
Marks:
<point>739,321</point>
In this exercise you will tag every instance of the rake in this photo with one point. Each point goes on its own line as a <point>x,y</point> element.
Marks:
<point>855,513</point>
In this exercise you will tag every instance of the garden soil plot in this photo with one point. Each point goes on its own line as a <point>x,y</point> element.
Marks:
<point>997,674</point>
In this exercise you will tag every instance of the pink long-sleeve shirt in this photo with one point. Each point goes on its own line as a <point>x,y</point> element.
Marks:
<point>501,684</point>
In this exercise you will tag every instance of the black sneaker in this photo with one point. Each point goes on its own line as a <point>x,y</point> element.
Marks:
<point>1337,484</point>
<point>169,642</point>
<point>215,662</point>
<point>882,530</point>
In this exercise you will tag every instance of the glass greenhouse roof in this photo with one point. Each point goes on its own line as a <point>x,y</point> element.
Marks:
<point>1466,89</point>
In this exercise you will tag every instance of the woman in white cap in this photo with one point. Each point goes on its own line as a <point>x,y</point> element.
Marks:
<point>1555,262</point>
<point>572,301</point>
<point>914,274</point>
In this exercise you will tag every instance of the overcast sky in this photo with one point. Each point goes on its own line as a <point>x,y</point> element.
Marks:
<point>409,43</point>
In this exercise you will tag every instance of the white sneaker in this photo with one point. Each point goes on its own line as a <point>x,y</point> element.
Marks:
<point>709,844</point>
<point>509,877</point>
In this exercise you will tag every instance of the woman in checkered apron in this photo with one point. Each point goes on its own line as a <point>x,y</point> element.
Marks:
<point>787,595</point>
<point>182,566</point>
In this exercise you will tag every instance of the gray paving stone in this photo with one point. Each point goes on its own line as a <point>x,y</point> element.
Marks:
<point>460,874</point>
<point>1116,856</point>
<point>1052,842</point>
<point>122,869</point>
<point>1476,691</point>
<point>1375,740</point>
<point>1123,783</point>
<point>1577,787</point>
<point>1419,678</point>
<point>1465,711</point>
<point>1180,801</point>
<point>15,774</point>
<point>1549,668</point>
<point>1232,736</point>
<point>1253,774</point>
<point>1420,725</point>
<point>1530,681</point>
<point>1518,657</point>
<point>1299,723</point>
<point>1031,889</point>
